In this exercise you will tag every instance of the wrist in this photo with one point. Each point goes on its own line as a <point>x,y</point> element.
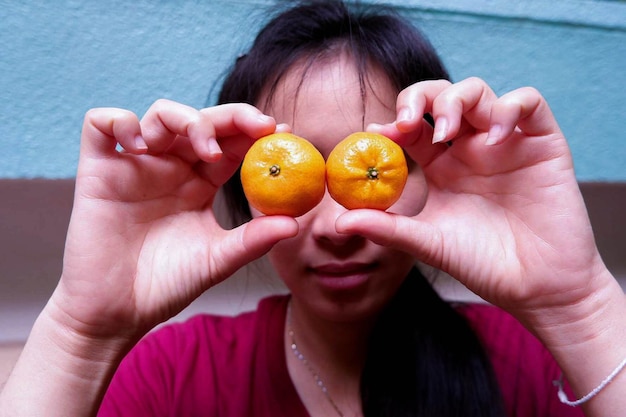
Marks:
<point>60,370</point>
<point>590,314</point>
<point>587,337</point>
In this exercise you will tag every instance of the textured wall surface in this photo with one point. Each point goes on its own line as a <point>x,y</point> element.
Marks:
<point>60,58</point>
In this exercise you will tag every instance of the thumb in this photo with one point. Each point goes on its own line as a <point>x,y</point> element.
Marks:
<point>418,238</point>
<point>254,239</point>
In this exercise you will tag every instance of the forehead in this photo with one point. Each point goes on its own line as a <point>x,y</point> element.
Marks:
<point>326,101</point>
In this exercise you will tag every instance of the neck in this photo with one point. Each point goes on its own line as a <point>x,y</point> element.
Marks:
<point>330,341</point>
<point>326,362</point>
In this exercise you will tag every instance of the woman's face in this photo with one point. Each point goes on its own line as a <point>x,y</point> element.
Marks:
<point>337,276</point>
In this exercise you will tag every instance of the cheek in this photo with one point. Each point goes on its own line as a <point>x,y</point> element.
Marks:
<point>414,195</point>
<point>254,212</point>
<point>284,258</point>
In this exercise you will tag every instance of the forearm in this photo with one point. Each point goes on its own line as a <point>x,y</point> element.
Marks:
<point>59,373</point>
<point>588,340</point>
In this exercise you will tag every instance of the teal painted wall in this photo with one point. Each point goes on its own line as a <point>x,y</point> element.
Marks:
<point>60,58</point>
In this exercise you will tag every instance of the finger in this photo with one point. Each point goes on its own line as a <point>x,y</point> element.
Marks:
<point>235,118</point>
<point>186,132</point>
<point>418,238</point>
<point>417,144</point>
<point>524,108</point>
<point>239,125</point>
<point>283,128</point>
<point>411,130</point>
<point>245,124</point>
<point>252,240</point>
<point>217,173</point>
<point>468,101</point>
<point>166,120</point>
<point>104,128</point>
<point>223,120</point>
<point>415,101</point>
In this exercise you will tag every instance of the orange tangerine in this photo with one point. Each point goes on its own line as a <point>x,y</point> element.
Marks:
<point>283,174</point>
<point>366,170</point>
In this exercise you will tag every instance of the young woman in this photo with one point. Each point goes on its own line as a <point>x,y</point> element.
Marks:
<point>491,199</point>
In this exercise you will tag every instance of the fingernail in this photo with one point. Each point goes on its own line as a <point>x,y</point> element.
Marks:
<point>214,147</point>
<point>263,118</point>
<point>140,144</point>
<point>493,137</point>
<point>441,130</point>
<point>404,114</point>
<point>283,127</point>
<point>373,127</point>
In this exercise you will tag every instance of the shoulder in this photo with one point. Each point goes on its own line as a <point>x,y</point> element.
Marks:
<point>197,364</point>
<point>218,330</point>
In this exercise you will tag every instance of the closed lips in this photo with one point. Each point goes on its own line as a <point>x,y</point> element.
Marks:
<point>342,269</point>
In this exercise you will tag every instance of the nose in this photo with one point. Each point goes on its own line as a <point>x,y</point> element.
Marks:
<point>323,220</point>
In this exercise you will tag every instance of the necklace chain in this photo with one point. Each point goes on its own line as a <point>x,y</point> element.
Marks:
<point>307,364</point>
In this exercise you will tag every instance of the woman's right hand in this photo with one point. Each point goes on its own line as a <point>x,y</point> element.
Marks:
<point>143,240</point>
<point>143,243</point>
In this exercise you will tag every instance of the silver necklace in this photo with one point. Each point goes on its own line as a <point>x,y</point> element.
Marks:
<point>307,364</point>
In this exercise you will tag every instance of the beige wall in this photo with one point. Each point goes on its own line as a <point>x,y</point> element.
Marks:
<point>8,356</point>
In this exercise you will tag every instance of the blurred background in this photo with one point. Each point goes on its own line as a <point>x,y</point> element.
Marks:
<point>58,59</point>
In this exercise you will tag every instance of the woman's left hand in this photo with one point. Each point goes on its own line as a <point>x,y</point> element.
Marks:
<point>505,217</point>
<point>504,213</point>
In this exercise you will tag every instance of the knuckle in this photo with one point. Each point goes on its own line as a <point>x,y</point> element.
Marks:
<point>520,97</point>
<point>100,114</point>
<point>474,81</point>
<point>161,103</point>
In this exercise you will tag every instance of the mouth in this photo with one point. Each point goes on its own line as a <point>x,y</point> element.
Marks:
<point>343,276</point>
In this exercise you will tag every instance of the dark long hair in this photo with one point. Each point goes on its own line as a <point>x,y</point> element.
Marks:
<point>416,366</point>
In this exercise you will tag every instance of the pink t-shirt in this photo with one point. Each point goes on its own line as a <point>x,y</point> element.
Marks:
<point>235,367</point>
